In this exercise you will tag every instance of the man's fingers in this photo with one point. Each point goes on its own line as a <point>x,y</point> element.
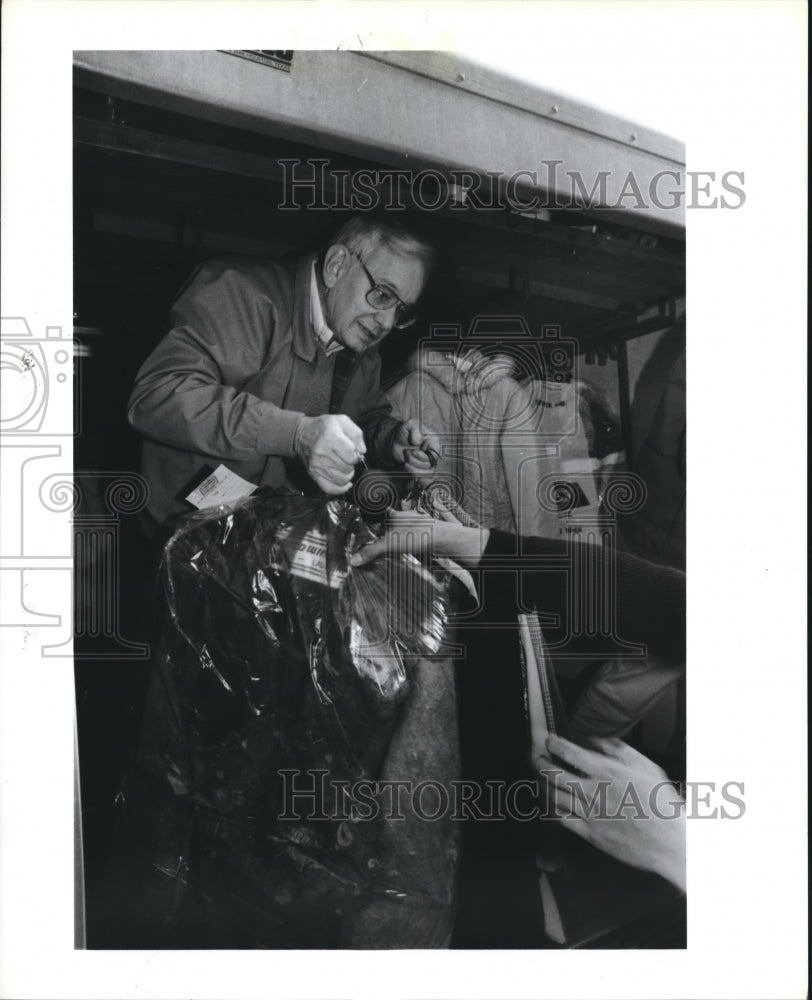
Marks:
<point>620,751</point>
<point>405,532</point>
<point>330,447</point>
<point>336,468</point>
<point>369,552</point>
<point>417,456</point>
<point>330,487</point>
<point>354,434</point>
<point>342,451</point>
<point>418,450</point>
<point>432,447</point>
<point>585,761</point>
<point>423,451</point>
<point>570,753</point>
<point>567,803</point>
<point>578,826</point>
<point>625,754</point>
<point>338,473</point>
<point>417,468</point>
<point>413,433</point>
<point>568,792</point>
<point>545,765</point>
<point>609,745</point>
<point>334,461</point>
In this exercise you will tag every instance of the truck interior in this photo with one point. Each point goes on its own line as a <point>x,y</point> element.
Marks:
<point>185,156</point>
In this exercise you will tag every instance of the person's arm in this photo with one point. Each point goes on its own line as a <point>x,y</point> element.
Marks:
<point>619,801</point>
<point>407,531</point>
<point>188,394</point>
<point>650,598</point>
<point>650,603</point>
<point>394,443</point>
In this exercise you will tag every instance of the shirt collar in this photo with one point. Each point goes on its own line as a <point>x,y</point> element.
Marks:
<point>324,335</point>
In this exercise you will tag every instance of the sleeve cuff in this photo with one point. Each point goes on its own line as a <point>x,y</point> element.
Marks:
<point>383,442</point>
<point>501,543</point>
<point>277,432</point>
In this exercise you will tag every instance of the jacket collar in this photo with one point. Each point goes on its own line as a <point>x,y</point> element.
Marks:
<point>304,336</point>
<point>327,340</point>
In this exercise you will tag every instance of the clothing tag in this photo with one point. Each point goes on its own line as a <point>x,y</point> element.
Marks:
<point>310,559</point>
<point>222,486</point>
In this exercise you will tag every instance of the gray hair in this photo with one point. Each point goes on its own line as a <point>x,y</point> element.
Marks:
<point>363,234</point>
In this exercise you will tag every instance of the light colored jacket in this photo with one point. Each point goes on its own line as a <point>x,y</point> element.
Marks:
<point>499,438</point>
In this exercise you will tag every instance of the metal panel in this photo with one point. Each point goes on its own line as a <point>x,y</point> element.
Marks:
<point>473,78</point>
<point>407,116</point>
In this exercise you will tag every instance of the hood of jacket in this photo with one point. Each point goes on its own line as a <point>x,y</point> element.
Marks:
<point>461,373</point>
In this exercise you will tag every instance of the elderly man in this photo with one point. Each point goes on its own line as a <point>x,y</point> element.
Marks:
<point>270,366</point>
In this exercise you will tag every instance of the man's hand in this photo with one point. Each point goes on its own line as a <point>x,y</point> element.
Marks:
<point>407,531</point>
<point>330,447</point>
<point>415,451</point>
<point>619,801</point>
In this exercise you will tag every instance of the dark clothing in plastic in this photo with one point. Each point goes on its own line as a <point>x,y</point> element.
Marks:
<point>288,687</point>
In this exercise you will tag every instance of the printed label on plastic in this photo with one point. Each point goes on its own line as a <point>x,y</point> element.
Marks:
<point>310,560</point>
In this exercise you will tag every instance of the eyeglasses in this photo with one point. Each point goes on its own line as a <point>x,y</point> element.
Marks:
<point>382,297</point>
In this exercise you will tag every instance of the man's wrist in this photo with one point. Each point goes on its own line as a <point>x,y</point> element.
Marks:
<point>298,433</point>
<point>277,431</point>
<point>474,543</point>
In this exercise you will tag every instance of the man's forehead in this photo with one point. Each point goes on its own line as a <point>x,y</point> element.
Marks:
<point>402,272</point>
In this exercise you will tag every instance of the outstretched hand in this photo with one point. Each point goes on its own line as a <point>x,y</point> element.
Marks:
<point>407,531</point>
<point>619,801</point>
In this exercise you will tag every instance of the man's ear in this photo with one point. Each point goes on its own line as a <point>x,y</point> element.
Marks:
<point>337,262</point>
